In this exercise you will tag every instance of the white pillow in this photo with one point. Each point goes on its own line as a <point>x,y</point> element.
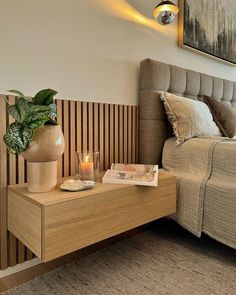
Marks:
<point>189,118</point>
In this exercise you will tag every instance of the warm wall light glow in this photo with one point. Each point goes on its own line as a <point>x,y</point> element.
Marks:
<point>123,10</point>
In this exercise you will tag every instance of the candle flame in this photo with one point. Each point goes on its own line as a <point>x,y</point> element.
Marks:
<point>87,158</point>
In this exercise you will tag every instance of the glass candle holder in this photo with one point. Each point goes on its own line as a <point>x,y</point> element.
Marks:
<point>87,164</point>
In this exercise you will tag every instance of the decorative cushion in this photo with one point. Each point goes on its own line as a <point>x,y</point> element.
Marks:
<point>189,118</point>
<point>224,116</point>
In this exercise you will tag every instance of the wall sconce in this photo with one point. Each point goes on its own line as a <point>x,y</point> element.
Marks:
<point>165,12</point>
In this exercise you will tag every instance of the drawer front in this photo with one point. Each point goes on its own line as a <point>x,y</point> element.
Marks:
<point>74,224</point>
<point>24,221</point>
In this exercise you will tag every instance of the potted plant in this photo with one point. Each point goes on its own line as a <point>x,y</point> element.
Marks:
<point>36,135</point>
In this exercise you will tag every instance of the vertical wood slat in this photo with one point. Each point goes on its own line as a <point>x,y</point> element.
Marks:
<point>130,134</point>
<point>66,131</point>
<point>96,127</point>
<point>111,135</point>
<point>101,136</point>
<point>78,129</point>
<point>111,129</point>
<point>85,126</point>
<point>21,179</point>
<point>72,138</point>
<point>116,143</point>
<point>79,126</point>
<point>3,187</point>
<point>121,134</point>
<point>90,126</point>
<point>135,127</point>
<point>134,133</point>
<point>106,137</point>
<point>125,122</point>
<point>60,122</point>
<point>12,180</point>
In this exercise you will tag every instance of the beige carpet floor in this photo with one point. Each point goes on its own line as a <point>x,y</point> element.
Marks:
<point>163,260</point>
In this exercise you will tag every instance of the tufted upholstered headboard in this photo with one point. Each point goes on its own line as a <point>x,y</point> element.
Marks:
<point>156,76</point>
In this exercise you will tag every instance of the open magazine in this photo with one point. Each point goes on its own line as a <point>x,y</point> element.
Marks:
<point>137,174</point>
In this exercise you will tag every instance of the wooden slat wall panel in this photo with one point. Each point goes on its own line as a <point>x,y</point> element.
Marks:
<point>121,134</point>
<point>90,127</point>
<point>111,135</point>
<point>96,127</point>
<point>11,180</point>
<point>111,129</point>
<point>78,126</point>
<point>107,130</point>
<point>72,137</point>
<point>3,188</point>
<point>66,131</point>
<point>60,122</point>
<point>116,143</point>
<point>101,136</point>
<point>20,163</point>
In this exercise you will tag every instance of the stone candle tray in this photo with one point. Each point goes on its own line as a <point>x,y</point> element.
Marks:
<point>73,185</point>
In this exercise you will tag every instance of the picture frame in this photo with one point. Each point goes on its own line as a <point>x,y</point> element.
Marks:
<point>191,42</point>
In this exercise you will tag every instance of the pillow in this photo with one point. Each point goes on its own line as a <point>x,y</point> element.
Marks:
<point>189,118</point>
<point>224,116</point>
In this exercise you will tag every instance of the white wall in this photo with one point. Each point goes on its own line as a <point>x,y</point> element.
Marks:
<point>88,49</point>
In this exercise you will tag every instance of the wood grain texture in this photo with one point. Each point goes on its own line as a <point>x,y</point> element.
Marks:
<point>66,131</point>
<point>24,221</point>
<point>72,145</point>
<point>60,122</point>
<point>3,187</point>
<point>12,180</point>
<point>94,126</point>
<point>71,221</point>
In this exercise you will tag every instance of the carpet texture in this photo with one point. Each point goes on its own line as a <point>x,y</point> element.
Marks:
<point>162,260</point>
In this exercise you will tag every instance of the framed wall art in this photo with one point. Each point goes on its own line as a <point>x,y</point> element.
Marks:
<point>209,28</point>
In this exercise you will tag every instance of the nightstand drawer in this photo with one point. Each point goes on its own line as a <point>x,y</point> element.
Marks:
<point>57,223</point>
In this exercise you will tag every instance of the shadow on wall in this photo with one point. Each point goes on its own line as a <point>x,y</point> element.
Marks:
<point>124,10</point>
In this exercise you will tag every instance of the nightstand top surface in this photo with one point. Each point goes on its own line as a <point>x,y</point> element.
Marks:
<point>59,196</point>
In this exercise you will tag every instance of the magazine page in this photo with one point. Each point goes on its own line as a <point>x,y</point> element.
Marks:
<point>132,174</point>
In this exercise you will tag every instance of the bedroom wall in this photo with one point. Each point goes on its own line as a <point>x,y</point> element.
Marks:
<point>88,49</point>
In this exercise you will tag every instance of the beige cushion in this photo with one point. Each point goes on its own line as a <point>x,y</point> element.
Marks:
<point>189,118</point>
<point>224,116</point>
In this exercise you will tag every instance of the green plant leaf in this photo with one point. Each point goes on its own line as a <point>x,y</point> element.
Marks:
<point>44,97</point>
<point>37,113</point>
<point>53,108</point>
<point>29,115</point>
<point>17,137</point>
<point>14,112</point>
<point>21,110</point>
<point>38,122</point>
<point>20,94</point>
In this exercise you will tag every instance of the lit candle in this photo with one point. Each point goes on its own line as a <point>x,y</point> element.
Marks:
<point>87,169</point>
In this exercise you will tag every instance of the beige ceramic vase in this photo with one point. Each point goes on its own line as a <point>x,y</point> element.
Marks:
<point>42,155</point>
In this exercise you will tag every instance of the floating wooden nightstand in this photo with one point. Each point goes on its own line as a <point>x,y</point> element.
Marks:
<point>56,223</point>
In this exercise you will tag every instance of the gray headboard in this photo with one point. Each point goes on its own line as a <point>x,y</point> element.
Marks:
<point>156,76</point>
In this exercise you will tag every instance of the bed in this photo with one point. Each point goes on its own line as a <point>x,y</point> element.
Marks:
<point>205,166</point>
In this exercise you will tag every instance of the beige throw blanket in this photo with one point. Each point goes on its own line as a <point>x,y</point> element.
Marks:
<point>206,185</point>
